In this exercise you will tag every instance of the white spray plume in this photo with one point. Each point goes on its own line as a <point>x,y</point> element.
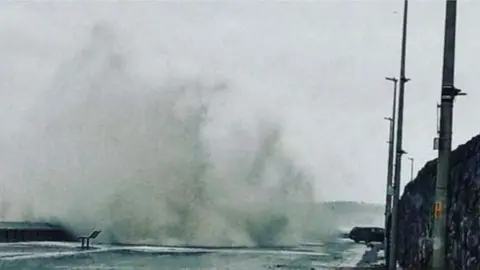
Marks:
<point>150,162</point>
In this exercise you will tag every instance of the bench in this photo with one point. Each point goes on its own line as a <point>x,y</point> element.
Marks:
<point>86,239</point>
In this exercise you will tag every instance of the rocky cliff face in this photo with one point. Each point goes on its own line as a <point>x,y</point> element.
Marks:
<point>416,208</point>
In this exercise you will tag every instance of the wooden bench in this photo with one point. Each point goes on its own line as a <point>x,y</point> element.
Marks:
<point>86,239</point>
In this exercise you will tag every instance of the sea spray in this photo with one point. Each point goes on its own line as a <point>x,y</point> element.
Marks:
<point>105,149</point>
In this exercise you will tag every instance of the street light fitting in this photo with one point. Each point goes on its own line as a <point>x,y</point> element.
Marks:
<point>393,79</point>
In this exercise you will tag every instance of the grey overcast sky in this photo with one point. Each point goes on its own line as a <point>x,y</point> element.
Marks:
<point>318,67</point>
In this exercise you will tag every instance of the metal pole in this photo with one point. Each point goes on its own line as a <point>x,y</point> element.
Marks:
<point>412,160</point>
<point>391,152</point>
<point>399,150</point>
<point>449,92</point>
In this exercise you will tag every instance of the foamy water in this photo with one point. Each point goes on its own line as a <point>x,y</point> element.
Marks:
<point>157,257</point>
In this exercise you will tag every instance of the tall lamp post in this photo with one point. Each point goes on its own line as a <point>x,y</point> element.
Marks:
<point>448,94</point>
<point>399,151</point>
<point>391,153</point>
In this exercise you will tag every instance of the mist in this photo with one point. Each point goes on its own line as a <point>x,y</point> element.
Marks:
<point>155,162</point>
<point>170,122</point>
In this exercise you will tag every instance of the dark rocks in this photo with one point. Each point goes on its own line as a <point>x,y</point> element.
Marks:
<point>416,208</point>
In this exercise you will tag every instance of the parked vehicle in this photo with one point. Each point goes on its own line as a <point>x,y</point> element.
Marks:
<point>367,234</point>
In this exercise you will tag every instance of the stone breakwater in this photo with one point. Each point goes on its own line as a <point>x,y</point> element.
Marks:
<point>416,207</point>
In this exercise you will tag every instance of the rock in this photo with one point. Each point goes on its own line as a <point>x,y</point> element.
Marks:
<point>463,229</point>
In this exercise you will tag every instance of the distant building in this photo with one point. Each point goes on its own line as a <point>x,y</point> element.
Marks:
<point>33,231</point>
